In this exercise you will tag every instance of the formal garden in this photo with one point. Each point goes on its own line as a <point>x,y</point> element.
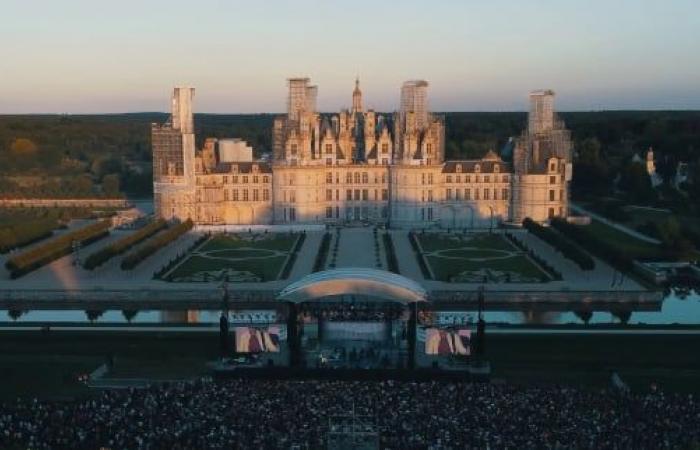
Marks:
<point>475,258</point>
<point>242,257</point>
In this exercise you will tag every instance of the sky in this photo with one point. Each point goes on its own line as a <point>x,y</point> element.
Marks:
<point>91,56</point>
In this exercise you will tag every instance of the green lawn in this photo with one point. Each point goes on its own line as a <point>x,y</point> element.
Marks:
<point>485,241</point>
<point>625,243</point>
<point>471,257</point>
<point>245,257</point>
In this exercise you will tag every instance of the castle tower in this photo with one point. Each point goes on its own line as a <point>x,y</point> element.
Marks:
<point>173,159</point>
<point>542,164</point>
<point>357,98</point>
<point>541,116</point>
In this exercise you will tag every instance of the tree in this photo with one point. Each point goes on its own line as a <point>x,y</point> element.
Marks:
<point>110,185</point>
<point>23,147</point>
<point>636,182</point>
<point>591,172</point>
<point>129,314</point>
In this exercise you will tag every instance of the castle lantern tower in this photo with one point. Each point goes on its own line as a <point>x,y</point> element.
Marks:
<point>357,98</point>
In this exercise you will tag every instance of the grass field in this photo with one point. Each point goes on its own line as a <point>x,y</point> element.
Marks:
<point>239,257</point>
<point>627,244</point>
<point>477,256</point>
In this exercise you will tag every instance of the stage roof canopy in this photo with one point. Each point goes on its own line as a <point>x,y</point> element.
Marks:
<point>372,283</point>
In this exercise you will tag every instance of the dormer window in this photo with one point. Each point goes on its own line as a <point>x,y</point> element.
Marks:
<point>459,168</point>
<point>255,168</point>
<point>496,168</point>
<point>329,149</point>
<point>385,148</point>
<point>477,168</point>
<point>234,168</point>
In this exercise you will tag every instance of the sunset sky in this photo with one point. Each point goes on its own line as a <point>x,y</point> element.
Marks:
<point>86,56</point>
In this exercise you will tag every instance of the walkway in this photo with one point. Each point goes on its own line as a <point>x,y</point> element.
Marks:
<point>357,248</point>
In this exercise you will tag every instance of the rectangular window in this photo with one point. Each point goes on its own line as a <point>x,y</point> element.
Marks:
<point>505,178</point>
<point>225,179</point>
<point>385,194</point>
<point>448,194</point>
<point>553,179</point>
<point>329,194</point>
<point>365,195</point>
<point>266,179</point>
<point>245,179</point>
<point>487,179</point>
<point>255,178</point>
<point>329,162</point>
<point>430,213</point>
<point>255,195</point>
<point>357,177</point>
<point>561,194</point>
<point>329,212</point>
<point>292,214</point>
<point>458,194</point>
<point>430,195</point>
<point>337,194</point>
<point>448,178</point>
<point>337,212</point>
<point>486,194</point>
<point>235,195</point>
<point>234,179</point>
<point>551,212</point>
<point>225,194</point>
<point>292,197</point>
<point>357,194</point>
<point>329,178</point>
<point>349,194</point>
<point>266,195</point>
<point>383,178</point>
<point>329,149</point>
<point>476,194</point>
<point>467,194</point>
<point>348,178</point>
<point>365,178</point>
<point>385,162</point>
<point>551,195</point>
<point>293,149</point>
<point>504,194</point>
<point>467,179</point>
<point>422,178</point>
<point>385,148</point>
<point>430,178</point>
<point>245,195</point>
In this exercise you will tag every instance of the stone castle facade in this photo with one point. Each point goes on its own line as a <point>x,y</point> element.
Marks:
<point>361,166</point>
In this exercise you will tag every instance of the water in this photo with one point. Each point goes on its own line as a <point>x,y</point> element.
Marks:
<point>675,309</point>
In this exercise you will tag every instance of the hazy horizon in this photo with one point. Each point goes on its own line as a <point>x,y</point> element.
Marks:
<point>82,57</point>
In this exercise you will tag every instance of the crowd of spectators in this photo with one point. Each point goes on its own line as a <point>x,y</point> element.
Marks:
<point>274,414</point>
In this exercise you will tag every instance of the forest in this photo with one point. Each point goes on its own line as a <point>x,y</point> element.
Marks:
<point>110,155</point>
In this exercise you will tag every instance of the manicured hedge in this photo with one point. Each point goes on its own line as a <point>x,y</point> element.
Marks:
<point>391,260</point>
<point>55,248</point>
<point>590,241</point>
<point>413,239</point>
<point>116,248</point>
<point>320,261</point>
<point>26,233</point>
<point>293,257</point>
<point>151,246</point>
<point>565,246</point>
